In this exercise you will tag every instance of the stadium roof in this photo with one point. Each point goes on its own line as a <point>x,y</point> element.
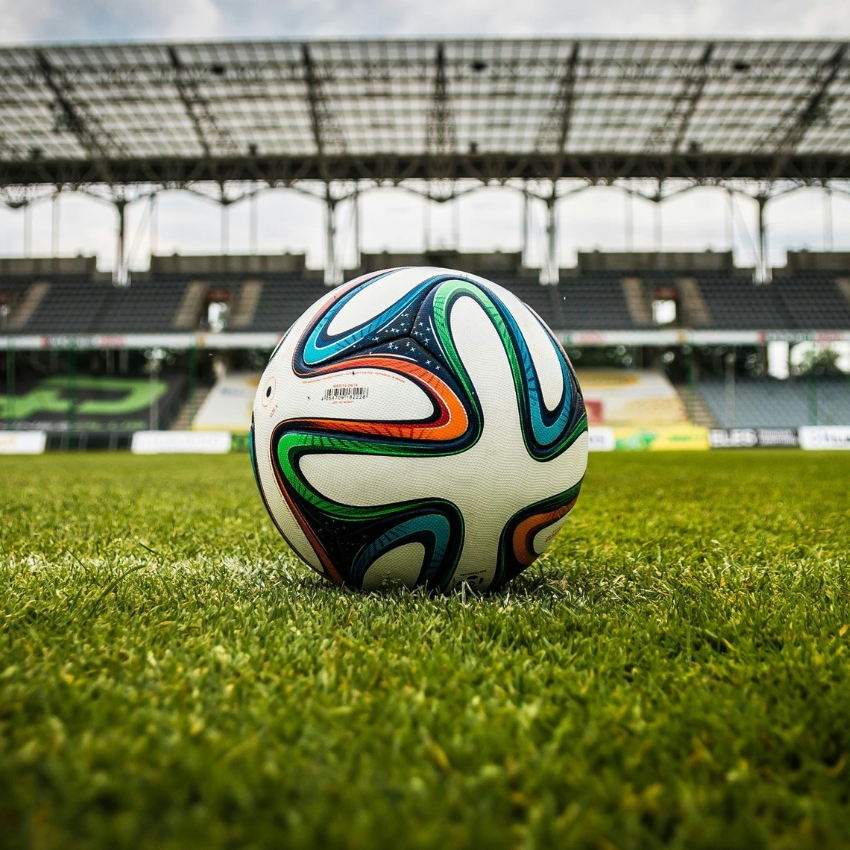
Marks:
<point>489,109</point>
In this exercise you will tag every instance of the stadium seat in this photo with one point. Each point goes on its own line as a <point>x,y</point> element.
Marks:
<point>778,404</point>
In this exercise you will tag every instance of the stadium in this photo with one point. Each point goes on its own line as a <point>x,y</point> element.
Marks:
<point>671,673</point>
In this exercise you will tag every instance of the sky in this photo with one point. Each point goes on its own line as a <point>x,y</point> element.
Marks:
<point>92,20</point>
<point>397,220</point>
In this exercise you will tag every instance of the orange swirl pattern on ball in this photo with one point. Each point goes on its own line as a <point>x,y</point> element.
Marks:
<point>529,527</point>
<point>451,423</point>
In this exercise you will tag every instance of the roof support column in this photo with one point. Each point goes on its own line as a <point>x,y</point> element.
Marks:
<point>333,268</point>
<point>357,234</point>
<point>828,231</point>
<point>54,226</point>
<point>550,272</point>
<point>763,271</point>
<point>730,220</point>
<point>154,226</point>
<point>658,222</point>
<point>658,225</point>
<point>225,230</point>
<point>28,229</point>
<point>254,223</point>
<point>120,276</point>
<point>525,225</point>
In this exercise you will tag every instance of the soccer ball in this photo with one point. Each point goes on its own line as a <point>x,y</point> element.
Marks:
<point>419,426</point>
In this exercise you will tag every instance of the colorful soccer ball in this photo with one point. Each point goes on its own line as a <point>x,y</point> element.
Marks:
<point>419,426</point>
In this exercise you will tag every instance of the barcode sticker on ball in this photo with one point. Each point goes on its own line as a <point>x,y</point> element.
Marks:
<point>345,393</point>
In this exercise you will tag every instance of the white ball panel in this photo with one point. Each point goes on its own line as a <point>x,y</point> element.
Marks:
<point>363,394</point>
<point>373,299</point>
<point>546,535</point>
<point>543,352</point>
<point>400,565</point>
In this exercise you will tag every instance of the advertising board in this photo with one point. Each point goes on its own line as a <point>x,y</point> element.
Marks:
<point>601,439</point>
<point>825,437</point>
<point>180,442</point>
<point>662,438</point>
<point>22,442</point>
<point>749,438</point>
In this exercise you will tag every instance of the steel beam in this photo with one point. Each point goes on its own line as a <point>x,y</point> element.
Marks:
<point>214,140</point>
<point>392,168</point>
<point>556,131</point>
<point>73,116</point>
<point>786,136</point>
<point>327,136</point>
<point>441,138</point>
<point>670,134</point>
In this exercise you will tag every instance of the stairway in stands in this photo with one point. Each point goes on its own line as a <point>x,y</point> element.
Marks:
<point>183,420</point>
<point>695,407</point>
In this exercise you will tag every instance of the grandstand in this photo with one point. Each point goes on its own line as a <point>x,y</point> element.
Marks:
<point>605,302</point>
<point>125,122</point>
<point>778,404</point>
<point>264,294</point>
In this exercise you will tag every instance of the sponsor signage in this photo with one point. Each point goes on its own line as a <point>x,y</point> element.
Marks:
<point>601,439</point>
<point>662,438</point>
<point>252,340</point>
<point>180,442</point>
<point>22,442</point>
<point>748,438</point>
<point>825,437</point>
<point>89,403</point>
<point>805,336</point>
<point>171,341</point>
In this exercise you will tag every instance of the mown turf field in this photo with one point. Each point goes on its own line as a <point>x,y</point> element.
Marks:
<point>675,673</point>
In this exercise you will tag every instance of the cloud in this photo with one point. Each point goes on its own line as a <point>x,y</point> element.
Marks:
<point>90,20</point>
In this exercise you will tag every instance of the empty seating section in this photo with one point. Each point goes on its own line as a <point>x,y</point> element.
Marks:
<point>590,300</point>
<point>12,288</point>
<point>736,303</point>
<point>282,301</point>
<point>144,307</point>
<point>70,306</point>
<point>777,404</point>
<point>594,301</point>
<point>542,299</point>
<point>813,300</point>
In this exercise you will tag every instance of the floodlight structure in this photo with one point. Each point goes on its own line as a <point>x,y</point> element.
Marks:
<point>336,118</point>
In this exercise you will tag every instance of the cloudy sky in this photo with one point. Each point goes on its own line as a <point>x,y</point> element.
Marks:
<point>88,20</point>
<point>394,219</point>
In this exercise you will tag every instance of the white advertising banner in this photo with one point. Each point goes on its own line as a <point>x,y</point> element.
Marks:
<point>229,404</point>
<point>180,442</point>
<point>22,442</point>
<point>820,437</point>
<point>601,439</point>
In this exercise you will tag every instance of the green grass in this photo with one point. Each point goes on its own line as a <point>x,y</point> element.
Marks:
<point>674,673</point>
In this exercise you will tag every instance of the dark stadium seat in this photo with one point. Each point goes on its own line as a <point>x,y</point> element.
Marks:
<point>70,306</point>
<point>544,300</point>
<point>594,301</point>
<point>778,404</point>
<point>282,300</point>
<point>736,303</point>
<point>813,300</point>
<point>145,306</point>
